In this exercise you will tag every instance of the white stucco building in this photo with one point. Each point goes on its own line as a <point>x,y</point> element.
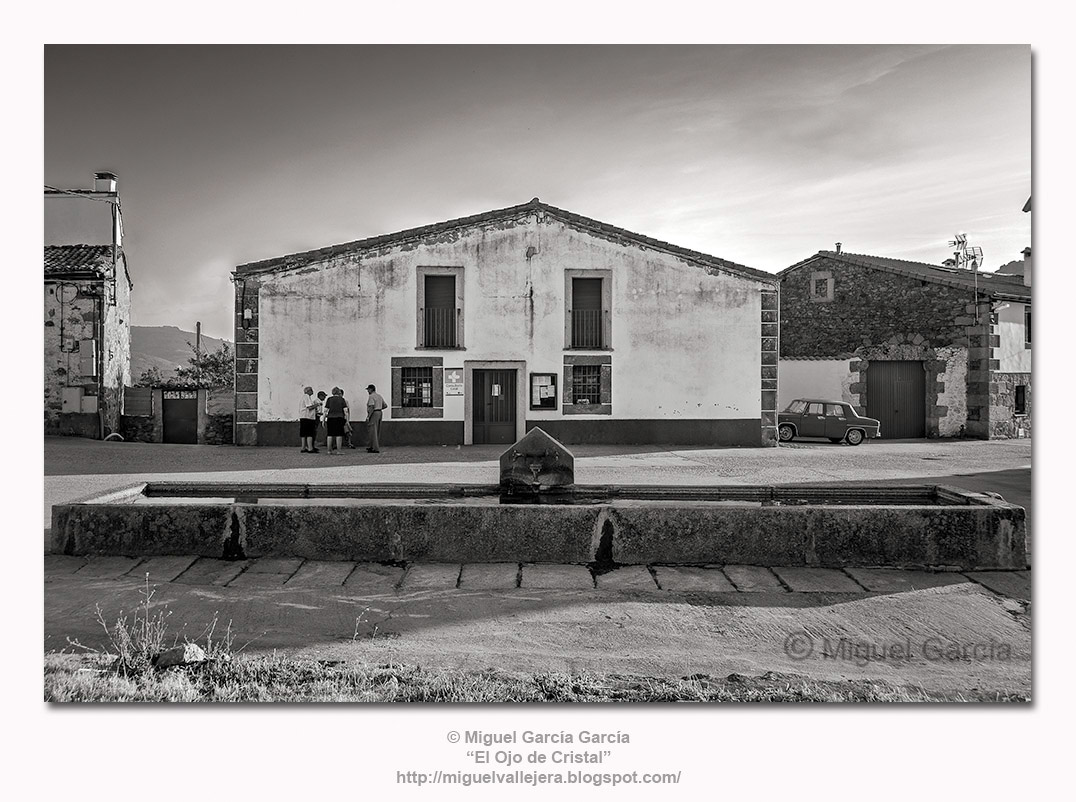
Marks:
<point>477,329</point>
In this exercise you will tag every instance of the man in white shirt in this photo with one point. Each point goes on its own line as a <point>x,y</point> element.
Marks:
<point>308,421</point>
<point>374,404</point>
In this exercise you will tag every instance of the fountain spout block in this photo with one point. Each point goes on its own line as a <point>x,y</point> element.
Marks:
<point>537,469</point>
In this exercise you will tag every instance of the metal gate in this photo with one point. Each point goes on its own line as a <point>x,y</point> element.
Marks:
<point>180,416</point>
<point>494,406</point>
<point>896,397</point>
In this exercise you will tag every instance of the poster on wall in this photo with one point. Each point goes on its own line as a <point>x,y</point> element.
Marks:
<point>453,381</point>
<point>543,391</point>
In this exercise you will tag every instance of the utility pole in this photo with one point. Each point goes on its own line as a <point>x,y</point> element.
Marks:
<point>198,350</point>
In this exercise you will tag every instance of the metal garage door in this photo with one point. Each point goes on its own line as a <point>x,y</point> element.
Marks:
<point>896,396</point>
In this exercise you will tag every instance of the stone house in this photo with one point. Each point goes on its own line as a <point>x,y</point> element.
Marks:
<point>87,311</point>
<point>477,329</point>
<point>929,350</point>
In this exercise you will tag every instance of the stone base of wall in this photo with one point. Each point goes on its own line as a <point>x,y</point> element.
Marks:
<point>740,432</point>
<point>139,429</point>
<point>218,430</point>
<point>1004,422</point>
<point>74,424</point>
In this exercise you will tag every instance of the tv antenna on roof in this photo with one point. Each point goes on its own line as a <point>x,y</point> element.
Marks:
<point>966,256</point>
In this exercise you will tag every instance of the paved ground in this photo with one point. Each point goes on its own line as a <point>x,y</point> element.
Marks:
<point>943,632</point>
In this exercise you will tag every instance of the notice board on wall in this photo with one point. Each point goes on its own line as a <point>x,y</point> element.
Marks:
<point>543,391</point>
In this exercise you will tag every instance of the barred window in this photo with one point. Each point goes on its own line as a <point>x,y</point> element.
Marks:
<point>417,387</point>
<point>1021,400</point>
<point>821,287</point>
<point>586,384</point>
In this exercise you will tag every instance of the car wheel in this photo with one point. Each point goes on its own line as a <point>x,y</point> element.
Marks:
<point>854,437</point>
<point>785,432</point>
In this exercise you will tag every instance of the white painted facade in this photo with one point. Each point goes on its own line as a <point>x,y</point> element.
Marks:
<point>1014,354</point>
<point>685,338</point>
<point>828,379</point>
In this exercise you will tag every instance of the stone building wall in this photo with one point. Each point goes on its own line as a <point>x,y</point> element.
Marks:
<point>70,308</point>
<point>77,310</point>
<point>1004,421</point>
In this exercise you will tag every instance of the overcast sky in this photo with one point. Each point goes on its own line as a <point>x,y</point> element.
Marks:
<point>761,155</point>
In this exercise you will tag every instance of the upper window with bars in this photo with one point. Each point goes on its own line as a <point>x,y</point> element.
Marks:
<point>588,313</point>
<point>439,312</point>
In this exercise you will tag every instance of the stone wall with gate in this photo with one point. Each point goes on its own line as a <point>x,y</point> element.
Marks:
<point>143,420</point>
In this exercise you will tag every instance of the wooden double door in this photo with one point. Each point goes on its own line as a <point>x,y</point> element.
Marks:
<point>493,404</point>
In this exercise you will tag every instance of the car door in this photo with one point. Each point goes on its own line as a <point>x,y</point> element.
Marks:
<point>813,421</point>
<point>836,420</point>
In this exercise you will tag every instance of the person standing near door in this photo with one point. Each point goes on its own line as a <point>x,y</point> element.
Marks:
<point>308,420</point>
<point>374,404</point>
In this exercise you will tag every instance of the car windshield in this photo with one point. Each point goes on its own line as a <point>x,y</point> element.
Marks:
<point>797,407</point>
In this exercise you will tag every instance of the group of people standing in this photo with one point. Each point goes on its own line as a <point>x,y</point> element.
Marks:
<point>333,410</point>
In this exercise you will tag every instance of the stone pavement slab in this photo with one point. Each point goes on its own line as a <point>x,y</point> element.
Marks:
<point>321,574</point>
<point>163,568</point>
<point>556,577</point>
<point>209,571</point>
<point>258,579</point>
<point>679,577</point>
<point>894,580</point>
<point>753,579</point>
<point>275,565</point>
<point>489,576</point>
<point>431,576</point>
<point>1014,584</point>
<point>62,564</point>
<point>107,567</point>
<point>630,577</point>
<point>374,578</point>
<point>817,580</point>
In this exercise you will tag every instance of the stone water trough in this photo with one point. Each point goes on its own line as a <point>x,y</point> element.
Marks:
<point>538,514</point>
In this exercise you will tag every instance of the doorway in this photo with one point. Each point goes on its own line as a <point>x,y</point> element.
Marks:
<point>896,397</point>
<point>493,405</point>
<point>180,416</point>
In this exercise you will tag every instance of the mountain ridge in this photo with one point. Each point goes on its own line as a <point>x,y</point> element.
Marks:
<point>165,348</point>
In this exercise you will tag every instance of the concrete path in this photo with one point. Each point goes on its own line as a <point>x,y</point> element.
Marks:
<point>942,632</point>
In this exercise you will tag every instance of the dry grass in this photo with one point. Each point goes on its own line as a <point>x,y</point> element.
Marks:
<point>94,678</point>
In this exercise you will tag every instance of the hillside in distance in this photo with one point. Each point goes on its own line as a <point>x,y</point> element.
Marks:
<point>164,347</point>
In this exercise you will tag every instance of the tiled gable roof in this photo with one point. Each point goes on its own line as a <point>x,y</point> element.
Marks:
<point>63,259</point>
<point>585,223</point>
<point>991,283</point>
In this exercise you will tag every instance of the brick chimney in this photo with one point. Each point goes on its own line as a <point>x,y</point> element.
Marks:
<point>104,182</point>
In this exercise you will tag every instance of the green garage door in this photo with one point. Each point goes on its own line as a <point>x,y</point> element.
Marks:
<point>896,396</point>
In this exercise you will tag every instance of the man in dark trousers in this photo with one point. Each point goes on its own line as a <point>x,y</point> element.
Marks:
<point>374,404</point>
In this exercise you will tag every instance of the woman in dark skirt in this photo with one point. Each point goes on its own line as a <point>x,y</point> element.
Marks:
<point>337,416</point>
